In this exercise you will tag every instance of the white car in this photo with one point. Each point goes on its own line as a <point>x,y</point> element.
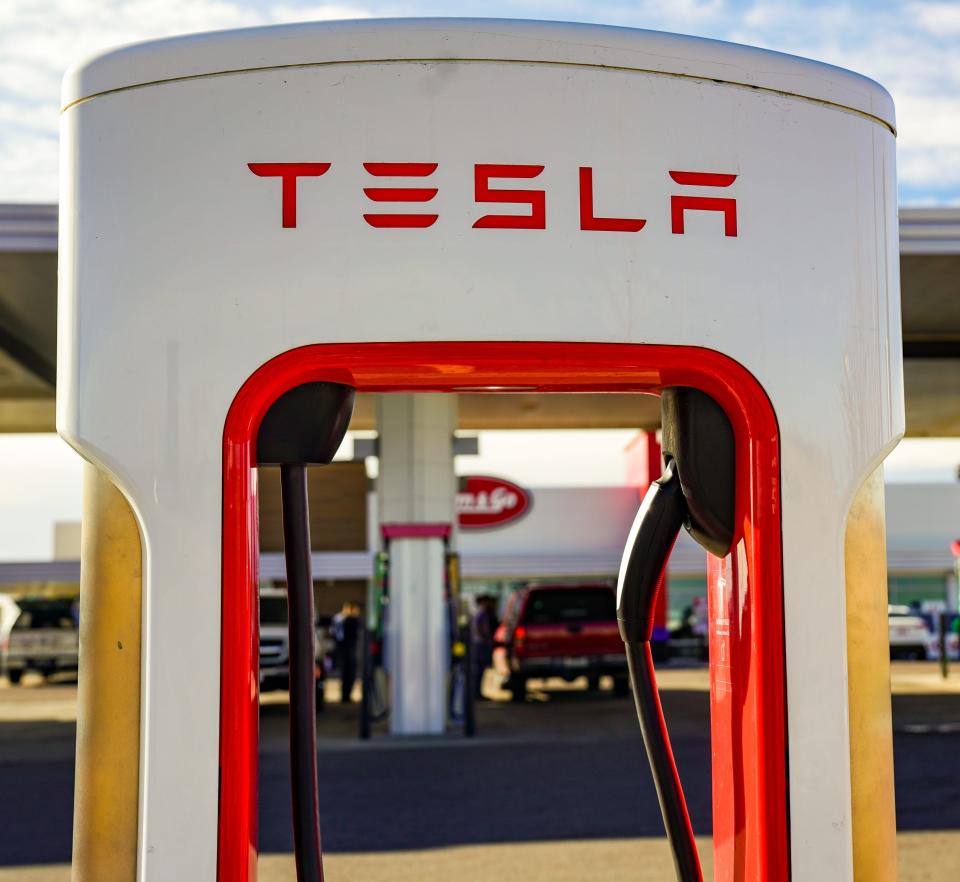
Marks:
<point>8,615</point>
<point>274,645</point>
<point>9,612</point>
<point>909,634</point>
<point>44,637</point>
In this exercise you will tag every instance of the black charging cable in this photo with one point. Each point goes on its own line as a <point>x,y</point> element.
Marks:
<point>655,529</point>
<point>304,426</point>
<point>302,659</point>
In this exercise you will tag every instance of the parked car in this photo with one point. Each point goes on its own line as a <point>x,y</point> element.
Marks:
<point>275,647</point>
<point>9,611</point>
<point>909,634</point>
<point>44,637</point>
<point>8,615</point>
<point>556,630</point>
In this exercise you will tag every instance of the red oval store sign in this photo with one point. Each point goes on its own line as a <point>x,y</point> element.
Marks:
<point>490,502</point>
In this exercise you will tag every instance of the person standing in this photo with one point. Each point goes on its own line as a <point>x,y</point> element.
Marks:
<point>482,627</point>
<point>346,633</point>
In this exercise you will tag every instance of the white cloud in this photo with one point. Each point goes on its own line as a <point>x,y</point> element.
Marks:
<point>28,163</point>
<point>316,12</point>
<point>40,39</point>
<point>937,18</point>
<point>937,168</point>
<point>911,48</point>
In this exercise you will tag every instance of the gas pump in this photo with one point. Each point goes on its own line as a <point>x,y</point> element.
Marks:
<point>374,688</point>
<point>432,206</point>
<point>380,662</point>
<point>462,710</point>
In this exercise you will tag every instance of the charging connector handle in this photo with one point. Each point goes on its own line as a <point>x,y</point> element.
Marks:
<point>652,536</point>
<point>302,655</point>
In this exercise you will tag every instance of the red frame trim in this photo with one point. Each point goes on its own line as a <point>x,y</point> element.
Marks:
<point>761,848</point>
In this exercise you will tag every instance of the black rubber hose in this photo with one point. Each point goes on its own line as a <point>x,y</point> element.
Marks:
<point>652,536</point>
<point>673,806</point>
<point>303,713</point>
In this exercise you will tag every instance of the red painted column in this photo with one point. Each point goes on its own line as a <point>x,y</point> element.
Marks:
<point>644,463</point>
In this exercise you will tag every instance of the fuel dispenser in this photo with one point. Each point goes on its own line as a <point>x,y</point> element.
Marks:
<point>379,663</point>
<point>454,206</point>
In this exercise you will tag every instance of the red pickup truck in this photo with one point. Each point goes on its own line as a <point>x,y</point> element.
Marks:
<point>558,630</point>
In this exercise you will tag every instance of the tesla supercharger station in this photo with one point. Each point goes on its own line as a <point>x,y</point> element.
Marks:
<point>445,206</point>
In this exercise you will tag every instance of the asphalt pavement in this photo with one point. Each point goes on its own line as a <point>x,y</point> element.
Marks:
<point>568,765</point>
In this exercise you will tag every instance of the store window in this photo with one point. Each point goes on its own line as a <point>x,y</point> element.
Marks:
<point>682,591</point>
<point>913,588</point>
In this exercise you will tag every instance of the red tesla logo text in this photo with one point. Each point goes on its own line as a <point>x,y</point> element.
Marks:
<point>400,194</point>
<point>535,218</point>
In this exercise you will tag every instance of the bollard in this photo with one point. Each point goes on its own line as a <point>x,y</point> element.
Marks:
<point>365,682</point>
<point>944,660</point>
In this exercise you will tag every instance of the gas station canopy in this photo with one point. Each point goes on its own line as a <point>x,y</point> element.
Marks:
<point>930,281</point>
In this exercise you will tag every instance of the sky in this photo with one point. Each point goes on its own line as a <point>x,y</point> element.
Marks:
<point>912,48</point>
